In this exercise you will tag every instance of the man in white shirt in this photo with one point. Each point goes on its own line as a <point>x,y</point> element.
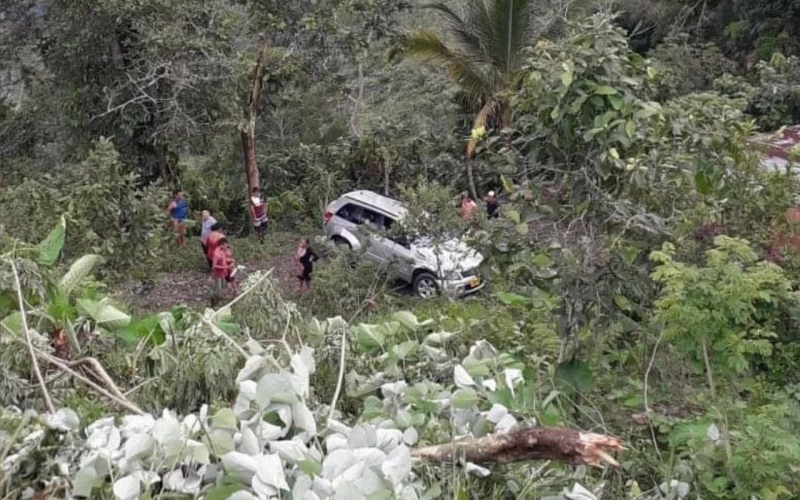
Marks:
<point>207,222</point>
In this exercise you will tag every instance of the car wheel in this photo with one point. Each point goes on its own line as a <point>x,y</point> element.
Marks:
<point>345,246</point>
<point>425,285</point>
<point>342,243</point>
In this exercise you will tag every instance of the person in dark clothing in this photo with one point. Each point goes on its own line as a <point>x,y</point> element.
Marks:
<point>492,205</point>
<point>305,258</point>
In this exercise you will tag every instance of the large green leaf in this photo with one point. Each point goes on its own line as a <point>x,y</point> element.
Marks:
<point>410,321</point>
<point>510,298</point>
<point>464,398</point>
<point>605,90</point>
<point>576,375</point>
<point>78,271</point>
<point>12,323</point>
<point>137,329</point>
<point>104,314</point>
<point>369,337</point>
<point>51,247</point>
<point>224,489</point>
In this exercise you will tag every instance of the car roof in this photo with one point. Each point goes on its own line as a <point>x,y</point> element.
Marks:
<point>377,201</point>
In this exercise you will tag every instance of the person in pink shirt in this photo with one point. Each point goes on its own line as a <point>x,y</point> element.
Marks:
<point>223,265</point>
<point>468,207</point>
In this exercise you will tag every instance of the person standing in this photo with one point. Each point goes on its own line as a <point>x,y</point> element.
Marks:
<point>492,205</point>
<point>207,223</point>
<point>223,265</point>
<point>468,207</point>
<point>212,242</point>
<point>258,213</point>
<point>305,258</point>
<point>178,210</point>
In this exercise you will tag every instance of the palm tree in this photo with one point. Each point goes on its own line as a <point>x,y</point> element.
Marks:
<point>483,51</point>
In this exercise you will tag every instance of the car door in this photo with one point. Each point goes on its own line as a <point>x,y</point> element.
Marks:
<point>397,251</point>
<point>371,232</point>
<point>349,218</point>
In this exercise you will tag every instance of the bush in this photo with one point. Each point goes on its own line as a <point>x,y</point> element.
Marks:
<point>345,284</point>
<point>91,195</point>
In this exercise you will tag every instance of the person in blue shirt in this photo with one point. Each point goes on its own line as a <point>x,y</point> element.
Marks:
<point>178,210</point>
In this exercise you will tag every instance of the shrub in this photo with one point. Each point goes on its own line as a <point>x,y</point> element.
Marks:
<point>92,195</point>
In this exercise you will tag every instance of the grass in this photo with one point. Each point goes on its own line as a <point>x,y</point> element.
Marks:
<point>245,249</point>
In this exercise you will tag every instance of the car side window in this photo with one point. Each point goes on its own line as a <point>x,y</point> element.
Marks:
<point>373,218</point>
<point>352,213</point>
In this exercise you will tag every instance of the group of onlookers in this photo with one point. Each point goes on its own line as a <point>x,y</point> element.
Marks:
<point>468,206</point>
<point>216,248</point>
<point>219,255</point>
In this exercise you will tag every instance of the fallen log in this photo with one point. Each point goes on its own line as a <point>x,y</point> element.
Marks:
<point>528,443</point>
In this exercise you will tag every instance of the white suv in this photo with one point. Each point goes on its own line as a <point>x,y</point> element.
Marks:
<point>361,219</point>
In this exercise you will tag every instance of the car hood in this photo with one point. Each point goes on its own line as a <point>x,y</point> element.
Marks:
<point>452,255</point>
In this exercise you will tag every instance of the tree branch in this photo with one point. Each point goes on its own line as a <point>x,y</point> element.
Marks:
<point>28,341</point>
<point>528,443</point>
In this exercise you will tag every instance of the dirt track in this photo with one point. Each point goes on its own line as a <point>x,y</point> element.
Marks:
<point>195,287</point>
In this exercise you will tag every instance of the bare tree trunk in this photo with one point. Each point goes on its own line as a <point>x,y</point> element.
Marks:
<point>251,113</point>
<point>529,443</point>
<point>471,179</point>
<point>354,119</point>
<point>387,168</point>
<point>357,102</point>
<point>161,161</point>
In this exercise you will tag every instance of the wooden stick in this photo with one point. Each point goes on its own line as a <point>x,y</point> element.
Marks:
<point>28,342</point>
<point>122,402</point>
<point>340,377</point>
<point>528,443</point>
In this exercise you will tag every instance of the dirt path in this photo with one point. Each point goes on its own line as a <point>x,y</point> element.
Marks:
<point>195,288</point>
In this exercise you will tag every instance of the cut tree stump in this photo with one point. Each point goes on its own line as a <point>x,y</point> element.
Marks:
<point>528,443</point>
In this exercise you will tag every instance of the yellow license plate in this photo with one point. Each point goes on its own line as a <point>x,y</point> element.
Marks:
<point>474,282</point>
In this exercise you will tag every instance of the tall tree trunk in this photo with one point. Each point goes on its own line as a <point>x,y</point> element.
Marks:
<point>161,161</point>
<point>482,120</point>
<point>251,113</point>
<point>387,168</point>
<point>471,179</point>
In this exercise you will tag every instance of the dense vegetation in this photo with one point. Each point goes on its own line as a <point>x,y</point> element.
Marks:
<point>642,275</point>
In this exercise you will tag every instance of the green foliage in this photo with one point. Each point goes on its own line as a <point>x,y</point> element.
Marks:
<point>91,196</point>
<point>684,67</point>
<point>50,248</point>
<point>776,102</point>
<point>763,463</point>
<point>347,285</point>
<point>722,310</point>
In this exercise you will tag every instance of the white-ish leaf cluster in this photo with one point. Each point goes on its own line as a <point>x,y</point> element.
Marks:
<point>268,442</point>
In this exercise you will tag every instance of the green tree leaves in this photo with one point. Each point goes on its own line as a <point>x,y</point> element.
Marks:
<point>50,248</point>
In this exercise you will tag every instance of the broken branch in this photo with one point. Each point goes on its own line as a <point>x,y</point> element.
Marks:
<point>528,443</point>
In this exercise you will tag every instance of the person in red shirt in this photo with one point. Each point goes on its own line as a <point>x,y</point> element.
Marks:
<point>258,214</point>
<point>468,207</point>
<point>223,265</point>
<point>212,242</point>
